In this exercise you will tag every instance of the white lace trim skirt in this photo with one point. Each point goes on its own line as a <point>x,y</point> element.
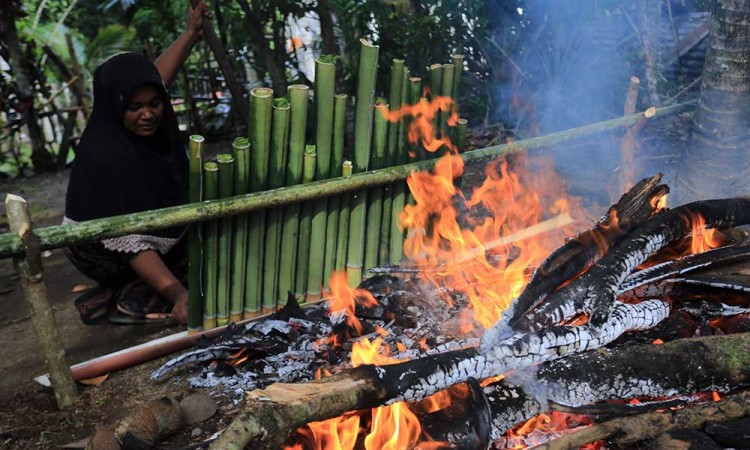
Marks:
<point>134,243</point>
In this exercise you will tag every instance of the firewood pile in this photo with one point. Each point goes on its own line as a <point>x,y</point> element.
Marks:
<point>598,330</point>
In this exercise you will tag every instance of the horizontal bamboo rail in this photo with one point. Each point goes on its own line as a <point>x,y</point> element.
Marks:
<point>92,230</point>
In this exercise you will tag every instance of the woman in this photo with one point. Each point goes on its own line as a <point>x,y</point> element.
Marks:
<point>130,159</point>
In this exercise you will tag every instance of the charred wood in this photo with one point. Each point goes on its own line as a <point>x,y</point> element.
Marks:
<point>633,209</point>
<point>594,292</point>
<point>631,429</point>
<point>681,367</point>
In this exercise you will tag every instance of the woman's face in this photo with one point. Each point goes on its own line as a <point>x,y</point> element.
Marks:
<point>144,111</point>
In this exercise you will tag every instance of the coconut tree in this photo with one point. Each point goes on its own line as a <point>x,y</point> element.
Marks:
<point>714,163</point>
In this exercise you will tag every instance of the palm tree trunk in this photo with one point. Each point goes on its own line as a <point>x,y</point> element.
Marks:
<point>715,161</point>
<point>22,68</point>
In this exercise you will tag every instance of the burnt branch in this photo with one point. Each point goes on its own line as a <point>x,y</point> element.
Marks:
<point>676,368</point>
<point>595,291</point>
<point>633,209</point>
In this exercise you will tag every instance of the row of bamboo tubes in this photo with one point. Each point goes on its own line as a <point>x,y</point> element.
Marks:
<point>244,264</point>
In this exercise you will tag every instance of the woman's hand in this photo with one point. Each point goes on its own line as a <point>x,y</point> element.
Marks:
<point>180,310</point>
<point>194,25</point>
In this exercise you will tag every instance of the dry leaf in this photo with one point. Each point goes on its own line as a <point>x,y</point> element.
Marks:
<point>80,287</point>
<point>96,381</point>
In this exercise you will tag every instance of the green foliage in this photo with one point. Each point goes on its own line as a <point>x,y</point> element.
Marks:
<point>110,40</point>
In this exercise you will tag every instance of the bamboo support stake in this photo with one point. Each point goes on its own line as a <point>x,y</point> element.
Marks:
<point>363,123</point>
<point>241,152</point>
<point>210,248</point>
<point>279,146</point>
<point>261,110</point>
<point>97,229</point>
<point>31,272</point>
<point>627,143</point>
<point>298,99</point>
<point>305,225</point>
<point>325,78</point>
<point>396,240</point>
<point>335,201</point>
<point>343,239</point>
<point>195,256</point>
<point>225,162</point>
<point>375,195</point>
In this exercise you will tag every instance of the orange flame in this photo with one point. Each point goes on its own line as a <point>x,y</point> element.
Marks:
<point>343,298</point>
<point>703,238</point>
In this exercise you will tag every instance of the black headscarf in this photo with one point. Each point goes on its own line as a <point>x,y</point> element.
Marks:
<point>115,171</point>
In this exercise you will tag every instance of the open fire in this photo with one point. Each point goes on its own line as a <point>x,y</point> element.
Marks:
<point>470,259</point>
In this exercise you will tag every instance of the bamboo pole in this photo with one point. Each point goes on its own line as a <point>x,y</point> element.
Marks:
<point>31,272</point>
<point>298,98</point>
<point>279,146</point>
<point>325,78</point>
<point>261,107</point>
<point>334,202</point>
<point>210,247</point>
<point>225,162</point>
<point>343,239</point>
<point>241,153</point>
<point>375,194</point>
<point>195,256</point>
<point>414,96</point>
<point>363,123</point>
<point>305,226</point>
<point>446,89</point>
<point>97,229</point>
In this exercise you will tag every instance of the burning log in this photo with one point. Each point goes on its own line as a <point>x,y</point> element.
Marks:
<point>683,366</point>
<point>594,292</point>
<point>633,209</point>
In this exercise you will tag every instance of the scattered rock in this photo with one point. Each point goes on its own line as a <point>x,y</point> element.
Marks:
<point>198,407</point>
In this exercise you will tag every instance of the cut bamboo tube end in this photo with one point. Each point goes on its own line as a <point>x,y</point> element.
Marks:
<point>209,324</point>
<point>649,113</point>
<point>234,318</point>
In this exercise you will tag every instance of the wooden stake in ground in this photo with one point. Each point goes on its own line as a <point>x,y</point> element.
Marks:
<point>29,267</point>
<point>627,143</point>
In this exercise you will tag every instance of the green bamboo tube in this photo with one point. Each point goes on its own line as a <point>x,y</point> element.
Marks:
<point>325,77</point>
<point>305,226</point>
<point>277,169</point>
<point>363,123</point>
<point>335,201</point>
<point>225,162</point>
<point>195,300</point>
<point>375,195</point>
<point>396,243</point>
<point>415,96</point>
<point>241,152</point>
<point>402,155</point>
<point>436,80</point>
<point>461,128</point>
<point>343,238</point>
<point>298,99</point>
<point>210,246</point>
<point>446,90</point>
<point>458,69</point>
<point>394,102</point>
<point>368,66</point>
<point>261,106</point>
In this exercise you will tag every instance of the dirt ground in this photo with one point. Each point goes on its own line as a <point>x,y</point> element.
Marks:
<point>29,418</point>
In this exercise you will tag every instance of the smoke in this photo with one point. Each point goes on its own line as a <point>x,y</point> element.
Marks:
<point>570,65</point>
